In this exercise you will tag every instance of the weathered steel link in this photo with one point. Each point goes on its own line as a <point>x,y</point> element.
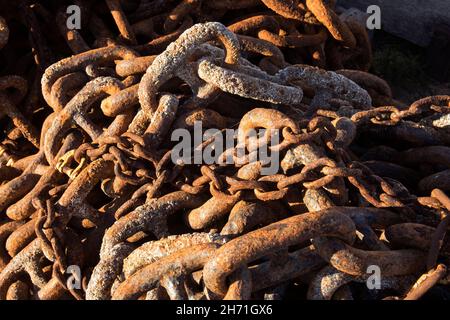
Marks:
<point>184,261</point>
<point>272,238</point>
<point>328,281</point>
<point>93,181</point>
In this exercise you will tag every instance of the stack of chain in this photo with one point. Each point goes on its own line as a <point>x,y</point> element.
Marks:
<point>94,203</point>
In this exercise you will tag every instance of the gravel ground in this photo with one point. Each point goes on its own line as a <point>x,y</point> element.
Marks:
<point>406,67</point>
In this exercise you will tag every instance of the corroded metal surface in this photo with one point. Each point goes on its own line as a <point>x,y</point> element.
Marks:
<point>88,181</point>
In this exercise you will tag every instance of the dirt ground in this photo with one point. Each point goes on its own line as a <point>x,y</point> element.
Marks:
<point>406,68</point>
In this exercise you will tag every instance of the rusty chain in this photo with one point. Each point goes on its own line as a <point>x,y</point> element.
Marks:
<point>88,177</point>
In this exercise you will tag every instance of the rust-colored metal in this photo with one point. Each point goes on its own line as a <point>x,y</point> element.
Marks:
<point>426,282</point>
<point>338,29</point>
<point>272,238</point>
<point>89,178</point>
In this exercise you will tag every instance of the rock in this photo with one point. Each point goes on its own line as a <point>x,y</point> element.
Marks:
<point>413,20</point>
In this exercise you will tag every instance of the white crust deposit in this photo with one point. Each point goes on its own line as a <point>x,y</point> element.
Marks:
<point>328,81</point>
<point>106,272</point>
<point>167,63</point>
<point>151,251</point>
<point>248,86</point>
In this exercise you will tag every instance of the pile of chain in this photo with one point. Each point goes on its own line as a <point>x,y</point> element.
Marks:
<point>92,205</point>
